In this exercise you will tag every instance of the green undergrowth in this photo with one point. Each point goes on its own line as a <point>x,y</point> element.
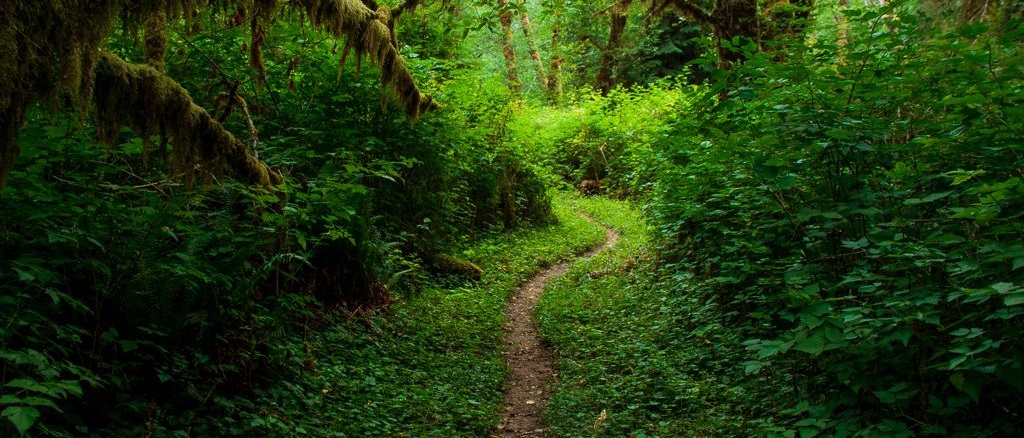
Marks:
<point>430,365</point>
<point>635,359</point>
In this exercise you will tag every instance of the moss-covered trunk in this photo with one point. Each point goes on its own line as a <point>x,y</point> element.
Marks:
<point>507,48</point>
<point>542,75</point>
<point>554,89</point>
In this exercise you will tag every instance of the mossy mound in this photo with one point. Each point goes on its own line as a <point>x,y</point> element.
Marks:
<point>450,265</point>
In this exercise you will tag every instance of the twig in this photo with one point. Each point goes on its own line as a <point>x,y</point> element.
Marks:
<point>223,76</point>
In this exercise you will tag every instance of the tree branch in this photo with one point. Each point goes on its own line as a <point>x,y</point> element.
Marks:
<point>147,100</point>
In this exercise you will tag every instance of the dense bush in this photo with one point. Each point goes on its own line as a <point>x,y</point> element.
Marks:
<point>606,139</point>
<point>853,212</point>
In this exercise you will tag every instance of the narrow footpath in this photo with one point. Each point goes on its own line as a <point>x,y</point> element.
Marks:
<point>531,365</point>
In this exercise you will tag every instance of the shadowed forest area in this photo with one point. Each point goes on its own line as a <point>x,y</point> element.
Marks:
<point>306,217</point>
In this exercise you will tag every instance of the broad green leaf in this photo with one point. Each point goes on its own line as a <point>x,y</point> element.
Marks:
<point>930,198</point>
<point>29,385</point>
<point>903,335</point>
<point>962,176</point>
<point>23,417</point>
<point>967,384</point>
<point>956,362</point>
<point>40,401</point>
<point>786,182</point>
<point>1013,300</point>
<point>1003,288</point>
<point>840,134</point>
<point>885,397</point>
<point>826,337</point>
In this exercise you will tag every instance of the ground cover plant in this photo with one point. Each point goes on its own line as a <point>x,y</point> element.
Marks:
<point>636,356</point>
<point>429,366</point>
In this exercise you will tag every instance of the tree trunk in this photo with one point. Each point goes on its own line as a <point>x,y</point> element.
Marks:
<point>618,18</point>
<point>507,48</point>
<point>154,34</point>
<point>11,119</point>
<point>555,71</point>
<point>542,76</point>
<point>732,19</point>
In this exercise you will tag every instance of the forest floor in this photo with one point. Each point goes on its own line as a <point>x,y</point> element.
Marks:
<point>531,365</point>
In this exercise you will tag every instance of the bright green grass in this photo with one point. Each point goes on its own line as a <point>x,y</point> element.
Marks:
<point>629,347</point>
<point>431,365</point>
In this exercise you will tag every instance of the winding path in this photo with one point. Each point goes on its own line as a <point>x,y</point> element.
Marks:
<point>531,365</point>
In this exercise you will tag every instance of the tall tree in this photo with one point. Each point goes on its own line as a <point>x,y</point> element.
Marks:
<point>554,89</point>
<point>542,76</point>
<point>507,46</point>
<point>617,16</point>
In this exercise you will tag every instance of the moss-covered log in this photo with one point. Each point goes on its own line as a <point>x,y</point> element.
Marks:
<point>450,265</point>
<point>156,103</point>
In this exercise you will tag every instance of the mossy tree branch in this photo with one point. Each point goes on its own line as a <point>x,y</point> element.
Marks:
<point>49,52</point>
<point>368,33</point>
<point>156,103</point>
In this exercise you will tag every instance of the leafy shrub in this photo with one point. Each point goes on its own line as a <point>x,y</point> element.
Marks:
<point>609,139</point>
<point>856,223</point>
<point>134,306</point>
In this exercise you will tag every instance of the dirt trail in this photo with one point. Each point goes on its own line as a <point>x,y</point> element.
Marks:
<point>531,365</point>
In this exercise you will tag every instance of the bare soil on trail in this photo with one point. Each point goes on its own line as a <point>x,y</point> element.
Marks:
<point>531,365</point>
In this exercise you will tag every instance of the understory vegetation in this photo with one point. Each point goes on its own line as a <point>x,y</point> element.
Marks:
<point>837,246</point>
<point>637,356</point>
<point>304,217</point>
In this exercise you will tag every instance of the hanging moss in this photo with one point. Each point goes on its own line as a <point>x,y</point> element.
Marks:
<point>261,12</point>
<point>368,34</point>
<point>147,100</point>
<point>49,52</point>
<point>46,54</point>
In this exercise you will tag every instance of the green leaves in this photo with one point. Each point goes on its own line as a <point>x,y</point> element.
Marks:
<point>858,224</point>
<point>22,417</point>
<point>24,396</point>
<point>823,338</point>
